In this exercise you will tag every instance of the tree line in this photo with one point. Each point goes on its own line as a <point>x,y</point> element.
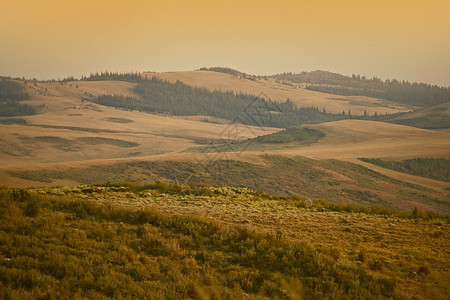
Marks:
<point>12,91</point>
<point>225,70</point>
<point>129,77</point>
<point>11,109</point>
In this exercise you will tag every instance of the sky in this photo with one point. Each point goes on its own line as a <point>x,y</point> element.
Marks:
<point>49,39</point>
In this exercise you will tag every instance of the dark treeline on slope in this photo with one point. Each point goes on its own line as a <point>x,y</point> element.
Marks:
<point>434,168</point>
<point>159,96</point>
<point>129,77</point>
<point>12,91</point>
<point>225,70</point>
<point>11,109</point>
<point>405,92</point>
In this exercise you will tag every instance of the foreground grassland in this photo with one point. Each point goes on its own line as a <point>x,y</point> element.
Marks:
<point>135,242</point>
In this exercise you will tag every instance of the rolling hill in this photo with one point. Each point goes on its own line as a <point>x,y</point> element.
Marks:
<point>128,195</point>
<point>72,140</point>
<point>435,117</point>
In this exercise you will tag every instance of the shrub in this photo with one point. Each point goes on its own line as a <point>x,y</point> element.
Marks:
<point>32,208</point>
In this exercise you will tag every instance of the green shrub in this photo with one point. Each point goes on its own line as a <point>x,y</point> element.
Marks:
<point>32,208</point>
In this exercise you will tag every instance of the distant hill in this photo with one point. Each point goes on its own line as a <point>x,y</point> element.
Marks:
<point>420,94</point>
<point>400,91</point>
<point>224,79</point>
<point>161,96</point>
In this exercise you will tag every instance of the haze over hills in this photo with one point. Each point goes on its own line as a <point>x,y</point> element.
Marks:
<point>258,149</point>
<point>264,164</point>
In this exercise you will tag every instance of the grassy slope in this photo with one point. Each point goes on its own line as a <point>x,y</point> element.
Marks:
<point>288,138</point>
<point>435,168</point>
<point>435,117</point>
<point>65,116</point>
<point>93,242</point>
<point>334,180</point>
<point>351,139</point>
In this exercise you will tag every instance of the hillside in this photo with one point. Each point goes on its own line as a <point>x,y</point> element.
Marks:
<point>351,139</point>
<point>334,180</point>
<point>116,242</point>
<point>398,91</point>
<point>418,94</point>
<point>68,128</point>
<point>159,96</point>
<point>222,103</point>
<point>435,168</point>
<point>435,117</point>
<point>280,92</point>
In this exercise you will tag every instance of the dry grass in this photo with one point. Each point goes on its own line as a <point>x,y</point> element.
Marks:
<point>351,139</point>
<point>412,251</point>
<point>65,116</point>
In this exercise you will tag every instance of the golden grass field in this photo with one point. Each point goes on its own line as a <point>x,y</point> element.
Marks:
<point>350,139</point>
<point>69,132</point>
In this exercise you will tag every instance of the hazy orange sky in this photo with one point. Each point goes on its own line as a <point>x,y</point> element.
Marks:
<point>407,40</point>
